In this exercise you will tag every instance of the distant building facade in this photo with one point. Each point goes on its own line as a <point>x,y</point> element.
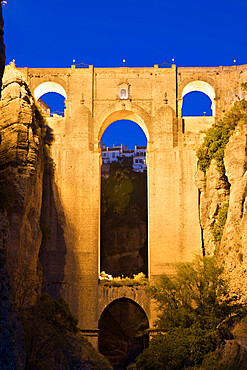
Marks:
<point>114,153</point>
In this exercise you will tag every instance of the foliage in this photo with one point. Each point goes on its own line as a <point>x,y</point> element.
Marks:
<point>177,349</point>
<point>124,190</point>
<point>45,326</point>
<point>25,282</point>
<point>219,224</point>
<point>139,279</point>
<point>117,191</point>
<point>218,136</point>
<point>53,340</point>
<point>244,85</point>
<point>194,310</point>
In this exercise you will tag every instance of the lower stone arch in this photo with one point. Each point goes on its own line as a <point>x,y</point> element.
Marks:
<point>123,332</point>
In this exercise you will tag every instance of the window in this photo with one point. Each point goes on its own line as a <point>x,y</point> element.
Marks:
<point>123,94</point>
<point>113,155</point>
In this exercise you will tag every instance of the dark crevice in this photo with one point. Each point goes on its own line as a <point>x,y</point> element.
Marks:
<point>199,215</point>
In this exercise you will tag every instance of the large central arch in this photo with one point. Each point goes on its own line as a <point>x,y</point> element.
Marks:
<point>123,115</point>
<point>139,118</point>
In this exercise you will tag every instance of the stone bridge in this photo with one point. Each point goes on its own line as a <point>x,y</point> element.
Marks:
<point>96,97</point>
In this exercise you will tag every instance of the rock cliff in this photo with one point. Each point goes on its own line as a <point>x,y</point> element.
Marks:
<point>233,247</point>
<point>21,175</point>
<point>21,172</point>
<point>223,211</point>
<point>11,335</point>
<point>30,336</point>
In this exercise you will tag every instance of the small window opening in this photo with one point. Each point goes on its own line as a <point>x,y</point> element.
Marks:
<point>123,94</point>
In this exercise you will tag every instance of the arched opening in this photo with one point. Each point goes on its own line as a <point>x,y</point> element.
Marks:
<point>124,210</point>
<point>51,98</point>
<point>123,332</point>
<point>198,99</point>
<point>197,104</point>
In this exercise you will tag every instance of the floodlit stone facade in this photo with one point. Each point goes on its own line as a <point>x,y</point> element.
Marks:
<point>96,97</point>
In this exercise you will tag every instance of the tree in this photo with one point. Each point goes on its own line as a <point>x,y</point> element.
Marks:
<point>194,311</point>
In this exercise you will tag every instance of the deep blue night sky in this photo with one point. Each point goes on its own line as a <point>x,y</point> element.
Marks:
<point>50,33</point>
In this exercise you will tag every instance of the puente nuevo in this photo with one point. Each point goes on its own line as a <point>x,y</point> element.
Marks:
<point>95,98</point>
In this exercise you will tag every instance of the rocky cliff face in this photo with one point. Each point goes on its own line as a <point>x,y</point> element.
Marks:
<point>30,336</point>
<point>213,194</point>
<point>223,213</point>
<point>11,349</point>
<point>21,172</point>
<point>233,247</point>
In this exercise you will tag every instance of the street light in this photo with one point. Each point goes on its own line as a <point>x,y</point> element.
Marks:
<point>123,62</point>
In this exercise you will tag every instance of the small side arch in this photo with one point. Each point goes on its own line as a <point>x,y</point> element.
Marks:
<point>203,87</point>
<point>47,87</point>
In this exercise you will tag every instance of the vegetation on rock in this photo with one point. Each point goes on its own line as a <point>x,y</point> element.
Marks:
<point>53,340</point>
<point>244,85</point>
<point>218,136</point>
<point>219,223</point>
<point>194,318</point>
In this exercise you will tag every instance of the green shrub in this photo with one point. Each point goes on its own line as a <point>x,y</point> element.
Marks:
<point>219,223</point>
<point>53,340</point>
<point>244,85</point>
<point>194,311</point>
<point>218,136</point>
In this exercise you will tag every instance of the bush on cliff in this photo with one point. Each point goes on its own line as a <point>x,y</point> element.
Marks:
<point>219,224</point>
<point>218,136</point>
<point>53,340</point>
<point>194,316</point>
<point>123,190</point>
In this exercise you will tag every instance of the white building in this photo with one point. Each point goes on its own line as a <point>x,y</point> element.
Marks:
<point>113,154</point>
